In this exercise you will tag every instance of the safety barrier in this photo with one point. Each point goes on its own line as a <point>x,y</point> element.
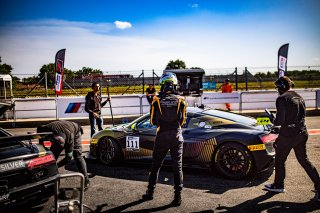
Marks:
<point>257,100</point>
<point>73,107</point>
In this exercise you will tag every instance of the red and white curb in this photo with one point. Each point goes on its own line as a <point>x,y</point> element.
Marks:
<point>314,131</point>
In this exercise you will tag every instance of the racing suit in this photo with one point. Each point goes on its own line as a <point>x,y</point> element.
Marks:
<point>293,135</point>
<point>168,113</point>
<point>70,140</point>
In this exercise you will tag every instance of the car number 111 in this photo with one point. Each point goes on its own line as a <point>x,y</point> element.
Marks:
<point>132,143</point>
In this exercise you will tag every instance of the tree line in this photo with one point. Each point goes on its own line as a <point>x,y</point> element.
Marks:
<point>172,64</point>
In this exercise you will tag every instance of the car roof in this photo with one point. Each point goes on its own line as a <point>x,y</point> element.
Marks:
<point>24,137</point>
<point>194,110</point>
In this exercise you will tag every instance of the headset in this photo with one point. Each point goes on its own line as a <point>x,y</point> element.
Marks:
<point>282,84</point>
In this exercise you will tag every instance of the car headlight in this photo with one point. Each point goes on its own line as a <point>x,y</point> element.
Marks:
<point>269,148</point>
<point>268,140</point>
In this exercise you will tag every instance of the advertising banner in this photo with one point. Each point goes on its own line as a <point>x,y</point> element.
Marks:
<point>282,60</point>
<point>59,67</point>
<point>218,98</point>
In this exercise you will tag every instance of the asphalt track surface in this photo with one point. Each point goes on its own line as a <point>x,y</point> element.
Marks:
<point>119,188</point>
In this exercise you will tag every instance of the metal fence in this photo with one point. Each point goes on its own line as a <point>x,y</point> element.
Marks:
<point>125,106</point>
<point>135,82</point>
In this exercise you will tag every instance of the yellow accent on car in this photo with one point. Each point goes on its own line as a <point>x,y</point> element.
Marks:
<point>263,121</point>
<point>133,126</point>
<point>256,147</point>
<point>40,154</point>
<point>94,141</point>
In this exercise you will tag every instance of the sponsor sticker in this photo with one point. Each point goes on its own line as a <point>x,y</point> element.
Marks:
<point>256,147</point>
<point>132,143</point>
<point>42,153</point>
<point>94,141</point>
<point>11,166</point>
<point>76,107</point>
<point>263,121</point>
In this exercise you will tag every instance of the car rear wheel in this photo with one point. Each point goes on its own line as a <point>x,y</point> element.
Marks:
<point>233,161</point>
<point>109,151</point>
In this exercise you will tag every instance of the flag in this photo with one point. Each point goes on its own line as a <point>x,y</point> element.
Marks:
<point>59,66</point>
<point>282,60</point>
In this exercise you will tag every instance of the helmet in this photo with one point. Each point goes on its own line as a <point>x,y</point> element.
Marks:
<point>168,82</point>
<point>169,76</point>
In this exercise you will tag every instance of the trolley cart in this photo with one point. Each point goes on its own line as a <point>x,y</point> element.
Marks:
<point>68,203</point>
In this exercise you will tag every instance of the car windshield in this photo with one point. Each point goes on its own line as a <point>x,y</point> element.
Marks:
<point>128,125</point>
<point>145,124</point>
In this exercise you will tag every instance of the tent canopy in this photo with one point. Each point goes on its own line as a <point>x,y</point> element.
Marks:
<point>5,87</point>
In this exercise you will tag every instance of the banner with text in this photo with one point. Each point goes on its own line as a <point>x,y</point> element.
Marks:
<point>59,67</point>
<point>282,60</point>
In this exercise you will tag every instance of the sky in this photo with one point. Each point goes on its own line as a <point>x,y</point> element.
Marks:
<point>120,36</point>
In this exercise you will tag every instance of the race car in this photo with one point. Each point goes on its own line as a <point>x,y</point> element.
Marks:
<point>27,171</point>
<point>231,144</point>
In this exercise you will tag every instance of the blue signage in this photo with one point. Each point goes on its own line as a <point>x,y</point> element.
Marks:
<point>209,85</point>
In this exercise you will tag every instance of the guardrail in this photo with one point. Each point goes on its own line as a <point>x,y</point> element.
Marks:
<point>255,100</point>
<point>73,107</point>
<point>43,107</point>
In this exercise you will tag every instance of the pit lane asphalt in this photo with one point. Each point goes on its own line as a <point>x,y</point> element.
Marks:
<point>119,188</point>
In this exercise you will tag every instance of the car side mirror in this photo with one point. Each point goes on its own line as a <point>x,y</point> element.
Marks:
<point>133,127</point>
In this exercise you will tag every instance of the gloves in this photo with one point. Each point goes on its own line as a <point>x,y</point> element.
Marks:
<point>69,155</point>
<point>108,99</point>
<point>95,115</point>
<point>275,130</point>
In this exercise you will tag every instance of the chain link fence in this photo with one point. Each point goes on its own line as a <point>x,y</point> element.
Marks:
<point>135,82</point>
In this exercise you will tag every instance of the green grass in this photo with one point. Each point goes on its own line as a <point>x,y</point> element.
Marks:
<point>20,92</point>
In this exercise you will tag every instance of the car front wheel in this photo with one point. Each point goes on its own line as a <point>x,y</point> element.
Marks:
<point>233,161</point>
<point>109,151</point>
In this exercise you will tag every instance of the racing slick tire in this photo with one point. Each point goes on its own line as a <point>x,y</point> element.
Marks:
<point>109,152</point>
<point>233,161</point>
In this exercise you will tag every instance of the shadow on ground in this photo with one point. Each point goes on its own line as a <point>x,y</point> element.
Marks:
<point>195,178</point>
<point>258,205</point>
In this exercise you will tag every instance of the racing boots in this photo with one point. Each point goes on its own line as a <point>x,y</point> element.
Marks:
<point>177,199</point>
<point>86,184</point>
<point>148,195</point>
<point>273,188</point>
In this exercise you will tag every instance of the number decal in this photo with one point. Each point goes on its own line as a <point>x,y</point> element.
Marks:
<point>132,143</point>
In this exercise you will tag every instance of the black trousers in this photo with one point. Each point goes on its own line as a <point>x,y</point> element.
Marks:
<point>169,140</point>
<point>77,155</point>
<point>283,146</point>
